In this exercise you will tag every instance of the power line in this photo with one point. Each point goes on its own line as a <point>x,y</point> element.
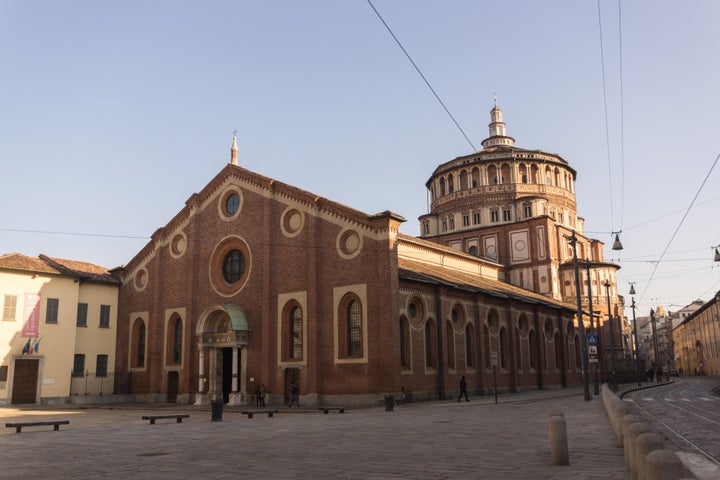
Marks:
<point>607,127</point>
<point>622,123</point>
<point>687,211</point>
<point>77,234</point>
<point>421,74</point>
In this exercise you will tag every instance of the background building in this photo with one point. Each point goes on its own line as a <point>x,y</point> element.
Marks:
<point>697,340</point>
<point>58,329</point>
<point>517,207</point>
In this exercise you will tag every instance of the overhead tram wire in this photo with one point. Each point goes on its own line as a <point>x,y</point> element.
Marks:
<point>77,234</point>
<point>687,211</point>
<point>421,75</point>
<point>622,122</point>
<point>607,127</point>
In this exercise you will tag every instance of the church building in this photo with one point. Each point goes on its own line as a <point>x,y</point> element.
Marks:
<point>257,282</point>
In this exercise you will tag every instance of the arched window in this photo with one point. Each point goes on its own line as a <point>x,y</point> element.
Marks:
<point>503,348</point>
<point>470,346</point>
<point>505,175</point>
<point>451,346</point>
<point>532,341</point>
<point>138,344</point>
<point>476,182</point>
<point>353,321</point>
<point>296,334</point>
<point>451,183</point>
<point>430,344</point>
<point>463,180</point>
<point>493,175</point>
<point>442,186</point>
<point>558,351</point>
<point>486,345</point>
<point>174,340</point>
<point>405,342</point>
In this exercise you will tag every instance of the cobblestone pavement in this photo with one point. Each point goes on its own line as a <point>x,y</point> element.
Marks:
<point>479,439</point>
<point>687,412</point>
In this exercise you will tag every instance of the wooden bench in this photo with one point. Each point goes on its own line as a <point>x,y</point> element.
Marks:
<point>326,410</point>
<point>55,423</point>
<point>178,417</point>
<point>250,413</point>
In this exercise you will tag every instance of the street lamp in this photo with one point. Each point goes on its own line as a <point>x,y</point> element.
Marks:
<point>596,389</point>
<point>581,325</point>
<point>616,244</point>
<point>654,337</point>
<point>613,383</point>
<point>637,345</point>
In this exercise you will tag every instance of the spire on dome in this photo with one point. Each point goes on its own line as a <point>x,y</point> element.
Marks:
<point>234,149</point>
<point>498,133</point>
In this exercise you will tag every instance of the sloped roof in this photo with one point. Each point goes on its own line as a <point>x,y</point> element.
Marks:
<point>18,261</point>
<point>427,273</point>
<point>57,266</point>
<point>82,270</point>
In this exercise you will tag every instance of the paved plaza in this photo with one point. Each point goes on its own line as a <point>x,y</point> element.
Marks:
<point>437,440</point>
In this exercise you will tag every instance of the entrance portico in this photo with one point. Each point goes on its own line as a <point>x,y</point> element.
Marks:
<point>222,330</point>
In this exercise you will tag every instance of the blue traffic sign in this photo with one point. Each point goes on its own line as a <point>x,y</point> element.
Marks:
<point>592,339</point>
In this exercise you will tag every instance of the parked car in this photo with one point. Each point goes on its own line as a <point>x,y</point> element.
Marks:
<point>674,373</point>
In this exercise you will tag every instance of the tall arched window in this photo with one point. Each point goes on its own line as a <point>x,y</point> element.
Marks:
<point>558,351</point>
<point>532,341</point>
<point>470,346</point>
<point>404,342</point>
<point>503,348</point>
<point>174,340</point>
<point>430,344</point>
<point>138,344</point>
<point>296,334</point>
<point>450,346</point>
<point>354,329</point>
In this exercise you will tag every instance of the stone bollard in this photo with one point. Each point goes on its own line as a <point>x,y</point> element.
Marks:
<point>662,465</point>
<point>644,444</point>
<point>559,454</point>
<point>633,431</point>
<point>555,413</point>
<point>628,420</point>
<point>619,411</point>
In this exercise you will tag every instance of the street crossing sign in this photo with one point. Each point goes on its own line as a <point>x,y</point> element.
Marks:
<point>592,339</point>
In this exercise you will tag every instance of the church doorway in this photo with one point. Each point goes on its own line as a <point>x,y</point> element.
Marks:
<point>292,375</point>
<point>173,384</point>
<point>227,369</point>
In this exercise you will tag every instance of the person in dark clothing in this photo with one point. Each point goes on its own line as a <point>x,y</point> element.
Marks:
<point>257,396</point>
<point>463,389</point>
<point>294,395</point>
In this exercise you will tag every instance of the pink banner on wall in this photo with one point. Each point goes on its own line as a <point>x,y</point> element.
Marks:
<point>31,327</point>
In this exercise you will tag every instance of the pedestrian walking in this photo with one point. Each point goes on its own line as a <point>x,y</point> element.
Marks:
<point>294,395</point>
<point>463,389</point>
<point>263,392</point>
<point>257,395</point>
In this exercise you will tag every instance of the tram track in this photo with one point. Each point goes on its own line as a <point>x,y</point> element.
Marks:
<point>659,406</point>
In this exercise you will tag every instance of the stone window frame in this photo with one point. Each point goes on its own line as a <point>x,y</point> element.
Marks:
<point>342,296</point>
<point>286,302</point>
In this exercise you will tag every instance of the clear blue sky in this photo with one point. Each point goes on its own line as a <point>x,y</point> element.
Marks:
<point>113,113</point>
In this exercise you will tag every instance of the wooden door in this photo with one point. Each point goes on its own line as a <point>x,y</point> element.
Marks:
<point>25,381</point>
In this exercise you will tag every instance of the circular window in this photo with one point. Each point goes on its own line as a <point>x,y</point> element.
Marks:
<point>349,244</point>
<point>490,249</point>
<point>292,222</point>
<point>412,310</point>
<point>230,266</point>
<point>233,266</point>
<point>520,245</point>
<point>232,203</point>
<point>141,279</point>
<point>178,245</point>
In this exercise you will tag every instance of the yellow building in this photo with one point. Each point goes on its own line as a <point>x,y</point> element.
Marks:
<point>57,331</point>
<point>697,340</point>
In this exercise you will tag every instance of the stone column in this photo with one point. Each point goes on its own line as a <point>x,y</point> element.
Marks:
<point>201,398</point>
<point>243,373</point>
<point>235,397</point>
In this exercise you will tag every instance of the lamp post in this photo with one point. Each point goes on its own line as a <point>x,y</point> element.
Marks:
<point>581,325</point>
<point>654,336</point>
<point>637,345</point>
<point>596,389</point>
<point>613,383</point>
